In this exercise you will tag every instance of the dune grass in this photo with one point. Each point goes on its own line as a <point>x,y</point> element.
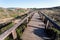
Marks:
<point>55,30</point>
<point>6,28</point>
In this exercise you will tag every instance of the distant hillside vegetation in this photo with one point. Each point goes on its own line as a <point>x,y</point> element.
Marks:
<point>53,12</point>
<point>12,12</point>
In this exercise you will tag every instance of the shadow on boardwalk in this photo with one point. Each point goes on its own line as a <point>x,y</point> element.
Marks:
<point>41,33</point>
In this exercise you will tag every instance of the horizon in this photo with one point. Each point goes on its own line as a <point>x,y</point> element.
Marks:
<point>21,7</point>
<point>29,3</point>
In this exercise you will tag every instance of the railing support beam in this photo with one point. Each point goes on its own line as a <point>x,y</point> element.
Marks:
<point>27,19</point>
<point>47,24</point>
<point>14,34</point>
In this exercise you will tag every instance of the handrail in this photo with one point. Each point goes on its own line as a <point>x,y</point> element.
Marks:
<point>8,32</point>
<point>50,20</point>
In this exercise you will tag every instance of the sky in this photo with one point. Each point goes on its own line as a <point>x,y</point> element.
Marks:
<point>29,3</point>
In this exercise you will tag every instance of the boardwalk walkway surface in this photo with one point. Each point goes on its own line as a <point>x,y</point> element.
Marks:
<point>35,29</point>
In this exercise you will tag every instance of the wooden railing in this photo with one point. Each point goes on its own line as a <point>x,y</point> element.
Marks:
<point>49,21</point>
<point>13,29</point>
<point>51,28</point>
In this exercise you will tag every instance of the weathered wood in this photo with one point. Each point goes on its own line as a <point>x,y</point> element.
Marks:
<point>33,30</point>
<point>43,18</point>
<point>8,32</point>
<point>50,20</point>
<point>14,34</point>
<point>27,19</point>
<point>47,24</point>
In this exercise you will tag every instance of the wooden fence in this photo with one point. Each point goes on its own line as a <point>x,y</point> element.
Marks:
<point>13,29</point>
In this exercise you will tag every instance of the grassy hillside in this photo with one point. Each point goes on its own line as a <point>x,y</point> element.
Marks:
<point>10,13</point>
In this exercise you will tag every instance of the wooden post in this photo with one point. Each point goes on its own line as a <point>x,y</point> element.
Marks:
<point>47,24</point>
<point>53,18</point>
<point>27,19</point>
<point>14,34</point>
<point>43,18</point>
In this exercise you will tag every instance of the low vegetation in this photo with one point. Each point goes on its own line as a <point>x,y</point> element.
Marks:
<point>53,13</point>
<point>6,28</point>
<point>15,14</point>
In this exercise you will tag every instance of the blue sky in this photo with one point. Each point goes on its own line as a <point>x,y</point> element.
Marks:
<point>29,3</point>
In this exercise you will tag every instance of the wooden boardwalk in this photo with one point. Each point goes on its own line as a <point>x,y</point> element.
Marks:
<point>35,29</point>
